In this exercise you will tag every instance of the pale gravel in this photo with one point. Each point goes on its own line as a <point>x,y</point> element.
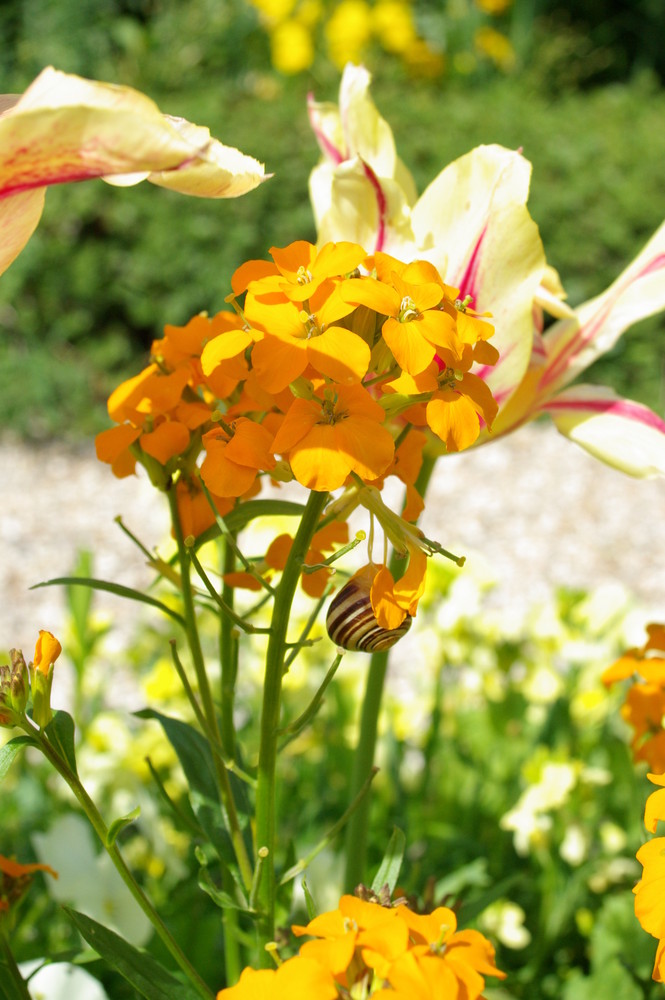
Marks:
<point>538,510</point>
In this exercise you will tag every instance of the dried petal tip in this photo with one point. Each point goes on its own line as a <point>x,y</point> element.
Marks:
<point>352,624</point>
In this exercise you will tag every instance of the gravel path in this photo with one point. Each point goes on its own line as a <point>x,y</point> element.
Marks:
<point>539,510</point>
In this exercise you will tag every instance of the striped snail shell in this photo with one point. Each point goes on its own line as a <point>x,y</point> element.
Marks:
<point>351,622</point>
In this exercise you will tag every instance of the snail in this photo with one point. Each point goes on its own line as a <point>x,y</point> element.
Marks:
<point>352,624</point>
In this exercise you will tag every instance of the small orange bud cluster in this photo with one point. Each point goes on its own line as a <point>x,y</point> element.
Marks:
<point>14,683</point>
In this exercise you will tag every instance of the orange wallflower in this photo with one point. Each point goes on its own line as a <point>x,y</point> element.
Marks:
<point>415,328</point>
<point>650,890</point>
<point>298,977</point>
<point>644,706</point>
<point>337,432</point>
<point>234,456</point>
<point>15,880</point>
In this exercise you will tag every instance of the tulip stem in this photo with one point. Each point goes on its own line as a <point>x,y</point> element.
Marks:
<point>272,690</point>
<point>363,760</point>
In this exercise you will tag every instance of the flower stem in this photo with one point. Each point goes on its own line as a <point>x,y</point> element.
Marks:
<point>100,828</point>
<point>272,690</point>
<point>205,693</point>
<point>363,760</point>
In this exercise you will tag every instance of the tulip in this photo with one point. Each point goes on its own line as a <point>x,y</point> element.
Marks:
<point>473,224</point>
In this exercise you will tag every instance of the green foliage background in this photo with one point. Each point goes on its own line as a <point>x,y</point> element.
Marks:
<point>107,268</point>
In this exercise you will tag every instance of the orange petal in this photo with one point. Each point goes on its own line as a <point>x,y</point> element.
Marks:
<point>167,440</point>
<point>339,354</point>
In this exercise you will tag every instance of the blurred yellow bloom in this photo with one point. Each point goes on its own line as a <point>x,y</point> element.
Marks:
<point>494,6</point>
<point>274,11</point>
<point>393,25</point>
<point>348,31</point>
<point>291,47</point>
<point>496,47</point>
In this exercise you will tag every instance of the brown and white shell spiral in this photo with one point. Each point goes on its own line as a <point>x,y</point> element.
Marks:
<point>351,622</point>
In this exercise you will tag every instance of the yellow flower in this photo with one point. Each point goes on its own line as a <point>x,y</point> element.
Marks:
<point>393,25</point>
<point>348,31</point>
<point>496,47</point>
<point>291,47</point>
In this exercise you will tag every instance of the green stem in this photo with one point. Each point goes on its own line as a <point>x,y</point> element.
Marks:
<point>363,761</point>
<point>192,632</point>
<point>272,690</point>
<point>100,828</point>
<point>228,654</point>
<point>8,959</point>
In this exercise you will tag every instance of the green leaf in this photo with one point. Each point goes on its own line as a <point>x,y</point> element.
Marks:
<point>111,588</point>
<point>221,899</point>
<point>11,750</point>
<point>9,988</point>
<point>196,761</point>
<point>309,899</point>
<point>389,868</point>
<point>60,734</point>
<point>119,824</point>
<point>143,971</point>
<point>246,512</point>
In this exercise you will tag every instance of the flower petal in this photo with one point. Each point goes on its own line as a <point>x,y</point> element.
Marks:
<point>620,432</point>
<point>473,225</point>
<point>573,344</point>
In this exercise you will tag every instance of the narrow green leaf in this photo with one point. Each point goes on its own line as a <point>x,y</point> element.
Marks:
<point>309,900</point>
<point>10,750</point>
<point>119,824</point>
<point>9,988</point>
<point>60,734</point>
<point>221,899</point>
<point>389,868</point>
<point>111,588</point>
<point>141,970</point>
<point>248,511</point>
<point>196,761</point>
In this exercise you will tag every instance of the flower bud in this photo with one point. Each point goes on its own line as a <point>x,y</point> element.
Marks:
<point>13,690</point>
<point>47,651</point>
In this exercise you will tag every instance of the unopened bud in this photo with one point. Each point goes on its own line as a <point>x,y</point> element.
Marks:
<point>47,651</point>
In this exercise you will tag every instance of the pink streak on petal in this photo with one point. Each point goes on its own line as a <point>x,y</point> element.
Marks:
<point>326,146</point>
<point>588,332</point>
<point>468,280</point>
<point>615,407</point>
<point>381,203</point>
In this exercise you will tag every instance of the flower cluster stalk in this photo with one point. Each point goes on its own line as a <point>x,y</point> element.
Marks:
<point>363,759</point>
<point>205,693</point>
<point>272,690</point>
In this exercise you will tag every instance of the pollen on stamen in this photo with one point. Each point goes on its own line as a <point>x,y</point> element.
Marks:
<point>303,276</point>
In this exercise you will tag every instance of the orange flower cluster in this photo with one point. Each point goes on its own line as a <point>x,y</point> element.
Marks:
<point>366,949</point>
<point>644,707</point>
<point>649,895</point>
<point>329,357</point>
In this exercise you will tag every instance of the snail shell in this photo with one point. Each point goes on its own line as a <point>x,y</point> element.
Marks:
<point>351,622</point>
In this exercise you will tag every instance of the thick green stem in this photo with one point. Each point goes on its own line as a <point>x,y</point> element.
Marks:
<point>363,761</point>
<point>100,828</point>
<point>272,691</point>
<point>205,694</point>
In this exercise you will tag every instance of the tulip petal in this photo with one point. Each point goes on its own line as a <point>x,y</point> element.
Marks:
<point>619,432</point>
<point>573,344</point>
<point>473,225</point>
<point>19,216</point>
